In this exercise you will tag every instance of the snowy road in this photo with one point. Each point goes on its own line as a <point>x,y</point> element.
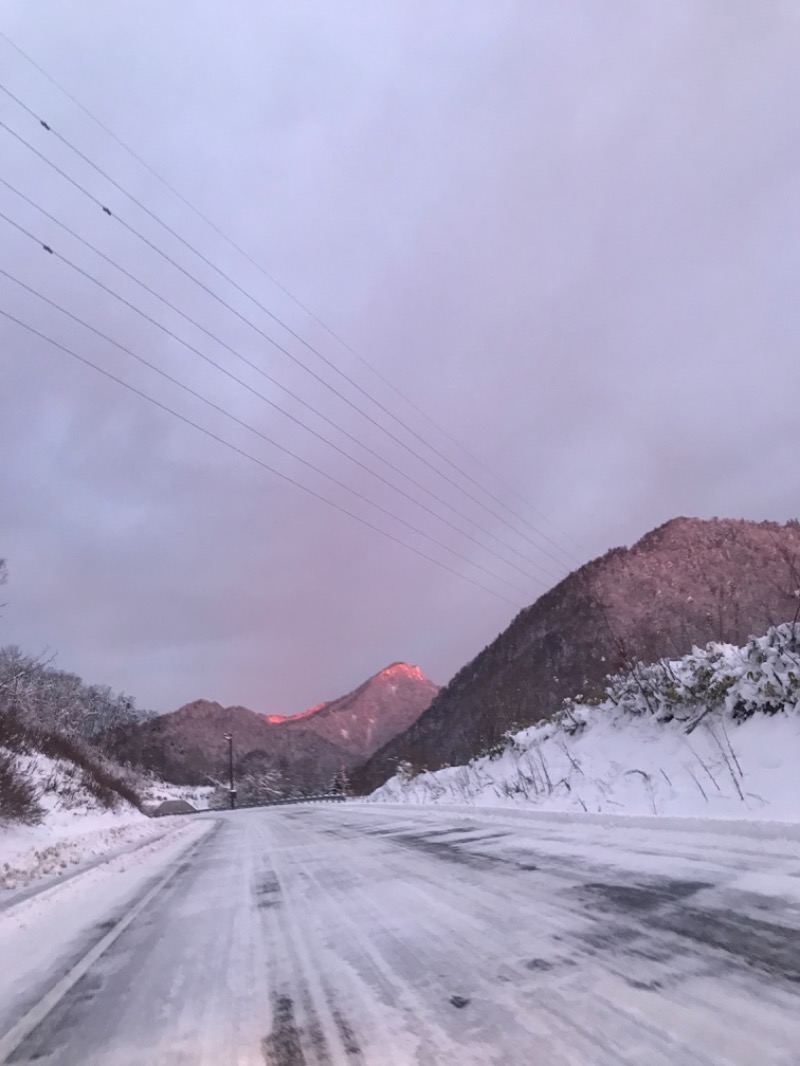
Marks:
<point>352,934</point>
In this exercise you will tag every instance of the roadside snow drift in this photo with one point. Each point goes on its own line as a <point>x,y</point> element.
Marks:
<point>62,805</point>
<point>66,842</point>
<point>715,734</point>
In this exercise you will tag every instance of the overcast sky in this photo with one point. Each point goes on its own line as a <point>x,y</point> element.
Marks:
<point>568,233</point>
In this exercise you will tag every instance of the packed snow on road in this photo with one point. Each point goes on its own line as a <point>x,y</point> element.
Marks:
<point>619,887</point>
<point>358,933</point>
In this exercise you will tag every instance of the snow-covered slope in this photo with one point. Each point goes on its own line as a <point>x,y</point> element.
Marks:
<point>64,804</point>
<point>76,820</point>
<point>715,734</point>
<point>43,773</point>
<point>71,812</point>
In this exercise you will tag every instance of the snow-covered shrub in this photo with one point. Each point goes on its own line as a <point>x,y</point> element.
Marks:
<point>406,771</point>
<point>54,771</point>
<point>19,800</point>
<point>761,677</point>
<point>687,736</point>
<point>501,746</point>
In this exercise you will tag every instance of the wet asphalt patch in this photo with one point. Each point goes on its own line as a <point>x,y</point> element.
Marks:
<point>347,1035</point>
<point>661,907</point>
<point>760,945</point>
<point>539,965</point>
<point>450,852</point>
<point>630,918</point>
<point>282,1046</point>
<point>644,986</point>
<point>617,897</point>
<point>267,892</point>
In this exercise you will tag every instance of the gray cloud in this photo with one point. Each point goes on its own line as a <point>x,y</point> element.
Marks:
<point>570,233</point>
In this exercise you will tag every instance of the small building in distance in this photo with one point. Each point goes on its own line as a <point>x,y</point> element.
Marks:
<point>173,806</point>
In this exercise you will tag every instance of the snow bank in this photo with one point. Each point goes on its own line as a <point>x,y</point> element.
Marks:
<point>78,820</point>
<point>715,734</point>
<point>67,840</point>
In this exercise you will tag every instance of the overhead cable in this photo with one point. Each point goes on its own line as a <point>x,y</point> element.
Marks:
<point>245,425</point>
<point>247,455</point>
<point>271,277</point>
<point>206,358</point>
<point>332,365</point>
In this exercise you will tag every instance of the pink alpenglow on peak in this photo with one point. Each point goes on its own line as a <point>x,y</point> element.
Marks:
<point>403,670</point>
<point>306,749</point>
<point>279,719</point>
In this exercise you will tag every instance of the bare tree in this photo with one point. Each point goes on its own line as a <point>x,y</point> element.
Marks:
<point>58,701</point>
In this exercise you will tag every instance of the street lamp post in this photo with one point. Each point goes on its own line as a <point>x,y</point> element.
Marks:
<point>232,789</point>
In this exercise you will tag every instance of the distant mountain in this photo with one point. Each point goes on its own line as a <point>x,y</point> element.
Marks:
<point>188,746</point>
<point>687,582</point>
<point>368,718</point>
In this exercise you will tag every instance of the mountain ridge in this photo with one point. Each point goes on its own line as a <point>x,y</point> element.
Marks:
<point>307,750</point>
<point>686,582</point>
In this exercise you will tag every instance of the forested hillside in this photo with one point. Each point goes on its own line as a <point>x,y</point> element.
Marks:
<point>687,582</point>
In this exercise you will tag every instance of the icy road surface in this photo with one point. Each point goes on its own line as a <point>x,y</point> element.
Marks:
<point>349,934</point>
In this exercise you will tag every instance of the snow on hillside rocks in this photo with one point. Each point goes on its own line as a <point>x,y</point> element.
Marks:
<point>714,734</point>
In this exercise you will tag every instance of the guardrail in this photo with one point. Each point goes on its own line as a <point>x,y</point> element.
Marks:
<point>282,801</point>
<point>285,800</point>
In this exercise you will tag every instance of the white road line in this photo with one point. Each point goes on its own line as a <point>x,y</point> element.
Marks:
<point>36,1015</point>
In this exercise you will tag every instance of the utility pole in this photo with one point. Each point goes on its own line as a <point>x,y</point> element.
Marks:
<point>232,790</point>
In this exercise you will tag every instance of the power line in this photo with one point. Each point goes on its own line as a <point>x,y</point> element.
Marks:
<point>202,355</point>
<point>288,328</point>
<point>247,455</point>
<point>254,366</point>
<point>247,321</point>
<point>269,440</point>
<point>271,277</point>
